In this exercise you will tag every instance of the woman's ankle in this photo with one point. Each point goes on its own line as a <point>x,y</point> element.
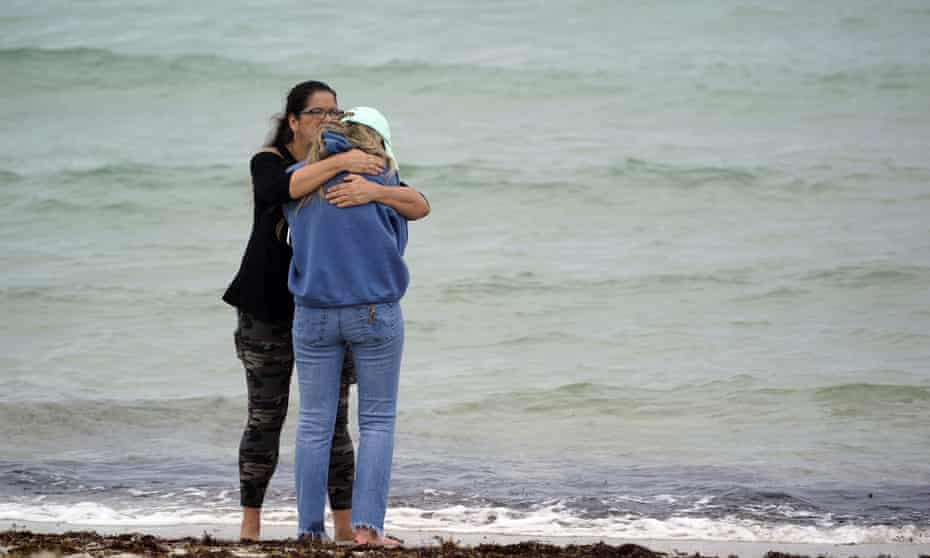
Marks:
<point>342,525</point>
<point>251,524</point>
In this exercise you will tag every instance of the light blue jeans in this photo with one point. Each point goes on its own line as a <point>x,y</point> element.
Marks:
<point>377,336</point>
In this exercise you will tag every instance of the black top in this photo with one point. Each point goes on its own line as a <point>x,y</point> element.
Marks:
<point>260,286</point>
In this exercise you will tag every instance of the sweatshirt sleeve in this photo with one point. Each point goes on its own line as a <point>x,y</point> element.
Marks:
<point>270,179</point>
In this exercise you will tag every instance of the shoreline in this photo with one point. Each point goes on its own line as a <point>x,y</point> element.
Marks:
<point>214,539</point>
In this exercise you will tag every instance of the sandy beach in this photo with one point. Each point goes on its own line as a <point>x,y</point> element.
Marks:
<point>27,538</point>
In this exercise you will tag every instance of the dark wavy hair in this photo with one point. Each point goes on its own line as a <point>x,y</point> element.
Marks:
<point>296,101</point>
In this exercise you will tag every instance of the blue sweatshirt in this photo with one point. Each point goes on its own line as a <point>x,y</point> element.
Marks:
<point>346,256</point>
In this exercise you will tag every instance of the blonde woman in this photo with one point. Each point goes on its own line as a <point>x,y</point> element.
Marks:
<point>347,277</point>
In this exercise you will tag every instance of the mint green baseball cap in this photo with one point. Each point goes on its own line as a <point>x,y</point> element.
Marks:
<point>373,118</point>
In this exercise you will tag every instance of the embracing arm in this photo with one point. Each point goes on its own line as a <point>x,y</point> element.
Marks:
<point>405,200</point>
<point>308,179</point>
<point>273,185</point>
<point>412,205</point>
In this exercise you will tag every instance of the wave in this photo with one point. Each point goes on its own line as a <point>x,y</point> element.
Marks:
<point>722,277</point>
<point>465,176</point>
<point>895,77</point>
<point>744,385</point>
<point>422,77</point>
<point>100,68</point>
<point>478,494</point>
<point>109,294</point>
<point>126,189</point>
<point>62,205</point>
<point>870,274</point>
<point>497,284</point>
<point>121,171</point>
<point>864,393</point>
<point>777,293</point>
<point>40,419</point>
<point>918,175</point>
<point>594,398</point>
<point>452,177</point>
<point>684,176</point>
<point>7,177</point>
<point>531,283</point>
<point>569,396</point>
<point>552,520</point>
<point>101,414</point>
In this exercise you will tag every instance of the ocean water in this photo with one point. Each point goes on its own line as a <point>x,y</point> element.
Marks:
<point>676,282</point>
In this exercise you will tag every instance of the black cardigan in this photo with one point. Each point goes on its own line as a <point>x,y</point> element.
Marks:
<point>260,286</point>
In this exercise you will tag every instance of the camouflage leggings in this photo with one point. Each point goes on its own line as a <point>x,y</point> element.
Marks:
<point>266,351</point>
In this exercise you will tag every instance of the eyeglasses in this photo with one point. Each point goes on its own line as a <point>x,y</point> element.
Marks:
<point>331,113</point>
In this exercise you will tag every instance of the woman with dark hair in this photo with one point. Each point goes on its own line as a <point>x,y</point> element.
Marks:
<point>266,308</point>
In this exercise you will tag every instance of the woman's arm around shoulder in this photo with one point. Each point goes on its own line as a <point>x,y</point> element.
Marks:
<point>404,199</point>
<point>309,178</point>
<point>274,185</point>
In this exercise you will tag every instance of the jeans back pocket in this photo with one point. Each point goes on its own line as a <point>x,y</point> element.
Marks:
<point>309,324</point>
<point>382,321</point>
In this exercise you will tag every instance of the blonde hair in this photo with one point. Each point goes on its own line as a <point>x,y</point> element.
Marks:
<point>360,136</point>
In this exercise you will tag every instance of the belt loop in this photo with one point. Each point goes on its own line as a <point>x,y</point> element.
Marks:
<point>371,313</point>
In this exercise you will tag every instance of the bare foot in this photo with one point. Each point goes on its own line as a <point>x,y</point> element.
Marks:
<point>251,524</point>
<point>367,537</point>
